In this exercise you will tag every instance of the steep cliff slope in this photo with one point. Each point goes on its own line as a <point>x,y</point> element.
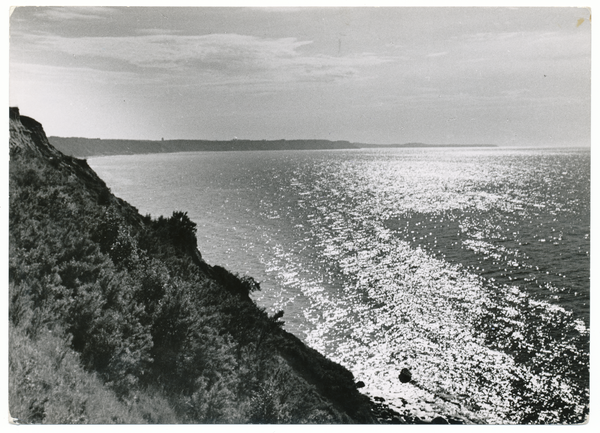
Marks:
<point>115,317</point>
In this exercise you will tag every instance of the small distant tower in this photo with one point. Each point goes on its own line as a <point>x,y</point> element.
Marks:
<point>162,139</point>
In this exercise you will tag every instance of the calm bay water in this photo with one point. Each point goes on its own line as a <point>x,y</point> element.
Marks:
<point>470,267</point>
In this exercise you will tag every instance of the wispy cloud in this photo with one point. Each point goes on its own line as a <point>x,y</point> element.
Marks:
<point>229,55</point>
<point>82,13</point>
<point>29,72</point>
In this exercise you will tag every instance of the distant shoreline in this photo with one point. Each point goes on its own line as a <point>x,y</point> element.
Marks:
<point>86,147</point>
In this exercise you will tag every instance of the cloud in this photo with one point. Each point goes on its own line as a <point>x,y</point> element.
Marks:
<point>531,45</point>
<point>81,13</point>
<point>225,55</point>
<point>443,53</point>
<point>43,74</point>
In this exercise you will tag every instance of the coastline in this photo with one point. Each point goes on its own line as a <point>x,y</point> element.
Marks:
<point>29,146</point>
<point>88,147</point>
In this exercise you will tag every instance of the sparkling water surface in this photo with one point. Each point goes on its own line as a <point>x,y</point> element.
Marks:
<point>470,267</point>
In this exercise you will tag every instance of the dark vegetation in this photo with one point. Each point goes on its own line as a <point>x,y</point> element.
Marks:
<point>115,318</point>
<point>83,147</point>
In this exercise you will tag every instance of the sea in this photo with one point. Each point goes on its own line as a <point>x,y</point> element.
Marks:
<point>470,267</point>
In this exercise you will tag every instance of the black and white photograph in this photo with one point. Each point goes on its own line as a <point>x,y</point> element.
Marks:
<point>349,214</point>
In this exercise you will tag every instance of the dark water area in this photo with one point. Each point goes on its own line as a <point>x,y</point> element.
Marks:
<point>470,267</point>
<point>538,240</point>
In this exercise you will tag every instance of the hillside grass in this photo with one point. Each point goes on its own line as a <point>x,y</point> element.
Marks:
<point>115,318</point>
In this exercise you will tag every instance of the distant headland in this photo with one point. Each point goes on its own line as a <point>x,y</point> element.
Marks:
<point>85,147</point>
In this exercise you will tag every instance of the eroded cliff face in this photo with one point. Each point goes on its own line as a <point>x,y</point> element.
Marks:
<point>28,139</point>
<point>28,134</point>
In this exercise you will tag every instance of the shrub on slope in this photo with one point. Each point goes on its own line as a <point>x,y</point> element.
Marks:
<point>139,316</point>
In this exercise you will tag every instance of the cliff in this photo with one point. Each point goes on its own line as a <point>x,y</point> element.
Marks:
<point>114,317</point>
<point>84,147</point>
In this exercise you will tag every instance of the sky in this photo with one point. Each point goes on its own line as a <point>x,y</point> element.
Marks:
<point>384,75</point>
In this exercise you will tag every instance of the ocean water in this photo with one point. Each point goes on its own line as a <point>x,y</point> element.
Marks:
<point>469,267</point>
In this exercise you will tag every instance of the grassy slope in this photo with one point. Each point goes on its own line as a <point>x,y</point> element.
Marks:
<point>115,317</point>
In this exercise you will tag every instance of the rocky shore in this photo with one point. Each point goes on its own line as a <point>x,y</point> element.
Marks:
<point>384,414</point>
